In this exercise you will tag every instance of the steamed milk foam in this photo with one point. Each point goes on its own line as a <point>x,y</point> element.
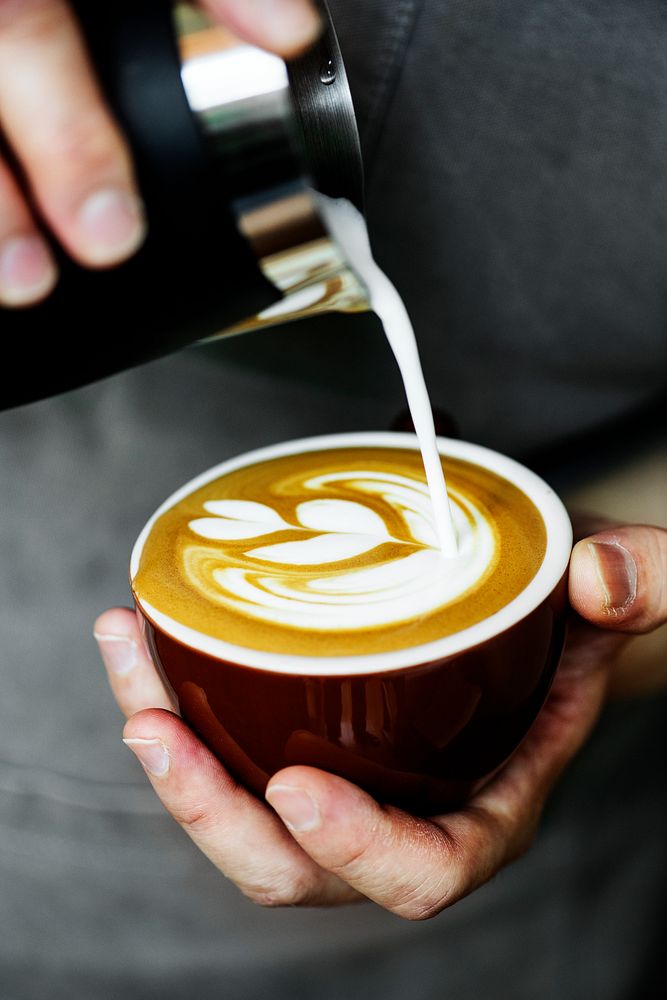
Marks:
<point>345,551</point>
<point>334,553</point>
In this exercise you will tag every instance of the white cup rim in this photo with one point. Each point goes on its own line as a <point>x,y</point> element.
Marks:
<point>551,571</point>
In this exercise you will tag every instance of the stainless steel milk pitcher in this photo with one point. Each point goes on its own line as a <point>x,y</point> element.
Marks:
<point>228,142</point>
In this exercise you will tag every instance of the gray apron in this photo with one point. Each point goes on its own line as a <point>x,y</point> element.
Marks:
<point>518,197</point>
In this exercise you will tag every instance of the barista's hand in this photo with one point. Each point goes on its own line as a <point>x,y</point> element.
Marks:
<point>336,844</point>
<point>72,172</point>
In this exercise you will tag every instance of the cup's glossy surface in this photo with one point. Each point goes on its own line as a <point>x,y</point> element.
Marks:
<point>424,735</point>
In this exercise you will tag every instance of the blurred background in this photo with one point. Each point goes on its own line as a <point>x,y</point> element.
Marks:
<point>517,196</point>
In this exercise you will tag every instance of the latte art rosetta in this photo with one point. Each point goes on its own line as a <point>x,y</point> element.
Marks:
<point>334,553</point>
<point>337,565</point>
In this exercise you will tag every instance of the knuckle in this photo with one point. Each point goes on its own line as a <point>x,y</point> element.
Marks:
<point>521,847</point>
<point>195,818</point>
<point>86,146</point>
<point>263,898</point>
<point>294,892</point>
<point>14,213</point>
<point>523,839</point>
<point>34,19</point>
<point>422,902</point>
<point>349,859</point>
<point>359,851</point>
<point>474,849</point>
<point>420,911</point>
<point>504,834</point>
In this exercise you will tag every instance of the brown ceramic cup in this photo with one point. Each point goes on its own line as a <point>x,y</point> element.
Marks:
<point>422,728</point>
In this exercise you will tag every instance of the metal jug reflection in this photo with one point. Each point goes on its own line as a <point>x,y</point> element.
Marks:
<point>229,142</point>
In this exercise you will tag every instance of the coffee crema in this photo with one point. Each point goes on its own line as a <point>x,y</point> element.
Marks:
<point>334,553</point>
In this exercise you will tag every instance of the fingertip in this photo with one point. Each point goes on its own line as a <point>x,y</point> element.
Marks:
<point>603,581</point>
<point>185,748</point>
<point>307,798</point>
<point>399,861</point>
<point>152,723</point>
<point>28,271</point>
<point>295,33</point>
<point>152,754</point>
<point>297,808</point>
<point>285,27</point>
<point>299,774</point>
<point>116,622</point>
<point>109,227</point>
<point>320,784</point>
<point>584,584</point>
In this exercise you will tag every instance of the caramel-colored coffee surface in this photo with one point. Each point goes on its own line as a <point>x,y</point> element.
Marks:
<point>360,572</point>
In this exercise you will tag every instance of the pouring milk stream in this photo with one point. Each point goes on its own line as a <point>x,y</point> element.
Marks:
<point>348,227</point>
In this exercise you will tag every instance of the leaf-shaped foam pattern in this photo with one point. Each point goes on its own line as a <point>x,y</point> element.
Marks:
<point>313,551</point>
<point>270,580</point>
<point>245,510</point>
<point>344,516</point>
<point>237,519</point>
<point>223,529</point>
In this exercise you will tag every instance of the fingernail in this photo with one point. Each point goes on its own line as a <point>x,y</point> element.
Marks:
<point>296,808</point>
<point>118,653</point>
<point>617,573</point>
<point>112,226</point>
<point>151,754</point>
<point>288,24</point>
<point>27,270</point>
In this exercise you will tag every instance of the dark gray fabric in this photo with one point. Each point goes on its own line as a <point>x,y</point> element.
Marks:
<point>517,195</point>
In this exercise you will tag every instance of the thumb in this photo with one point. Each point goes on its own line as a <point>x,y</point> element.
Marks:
<point>618,578</point>
<point>283,26</point>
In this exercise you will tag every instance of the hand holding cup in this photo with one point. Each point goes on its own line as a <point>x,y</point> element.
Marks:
<point>334,843</point>
<point>324,840</point>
